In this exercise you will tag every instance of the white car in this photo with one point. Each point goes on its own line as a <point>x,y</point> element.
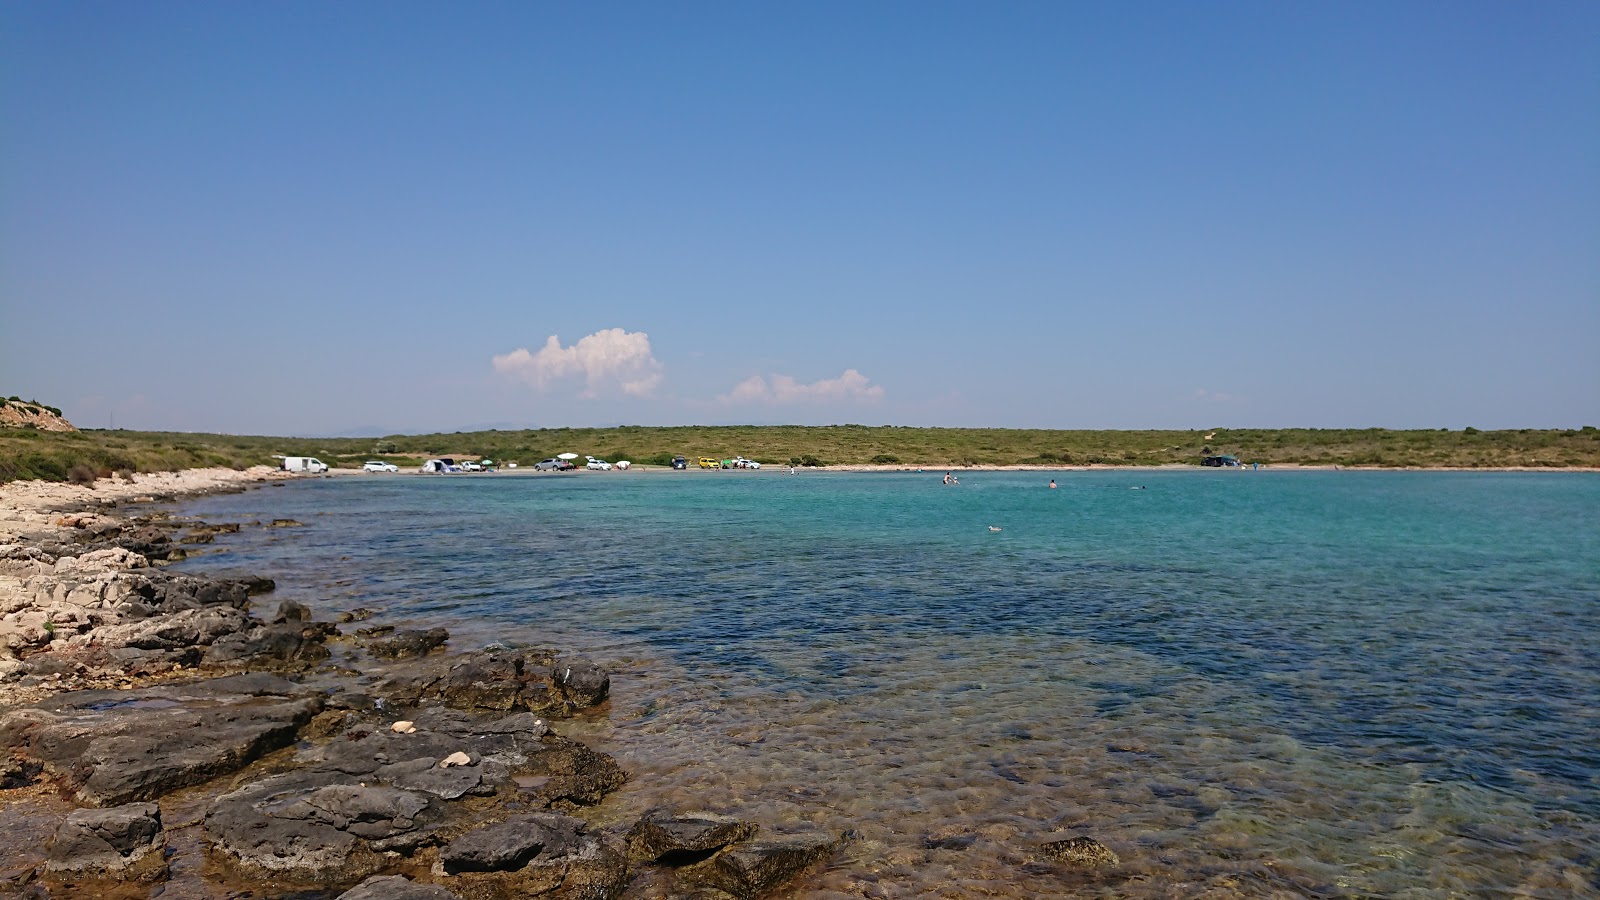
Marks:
<point>599,465</point>
<point>470,466</point>
<point>740,462</point>
<point>378,465</point>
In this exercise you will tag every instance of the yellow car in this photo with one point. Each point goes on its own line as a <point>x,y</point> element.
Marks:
<point>707,462</point>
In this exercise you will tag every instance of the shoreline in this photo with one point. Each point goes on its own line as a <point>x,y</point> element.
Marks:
<point>164,728</point>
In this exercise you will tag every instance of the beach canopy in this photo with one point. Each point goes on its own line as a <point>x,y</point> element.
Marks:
<point>566,456</point>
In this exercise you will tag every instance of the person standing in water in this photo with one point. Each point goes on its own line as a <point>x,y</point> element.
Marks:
<point>1052,484</point>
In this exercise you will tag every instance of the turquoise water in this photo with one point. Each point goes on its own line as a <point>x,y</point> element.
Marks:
<point>1245,683</point>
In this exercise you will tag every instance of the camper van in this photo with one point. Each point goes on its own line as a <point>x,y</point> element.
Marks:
<point>304,464</point>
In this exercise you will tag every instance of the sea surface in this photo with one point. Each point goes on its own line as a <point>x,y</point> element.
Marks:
<point>1245,683</point>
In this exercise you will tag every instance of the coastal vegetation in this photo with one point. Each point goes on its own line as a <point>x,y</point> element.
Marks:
<point>31,453</point>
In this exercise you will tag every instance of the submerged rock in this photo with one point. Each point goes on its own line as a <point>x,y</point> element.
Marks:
<point>750,870</point>
<point>1081,853</point>
<point>396,887</point>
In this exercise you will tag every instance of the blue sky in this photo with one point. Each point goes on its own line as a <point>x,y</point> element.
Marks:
<point>353,218</point>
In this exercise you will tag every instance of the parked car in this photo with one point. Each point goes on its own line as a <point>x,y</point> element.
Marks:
<point>378,465</point>
<point>553,465</point>
<point>740,462</point>
<point>679,462</point>
<point>1222,461</point>
<point>707,462</point>
<point>470,466</point>
<point>598,465</point>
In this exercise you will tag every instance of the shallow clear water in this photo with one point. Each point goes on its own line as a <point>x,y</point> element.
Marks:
<point>1245,683</point>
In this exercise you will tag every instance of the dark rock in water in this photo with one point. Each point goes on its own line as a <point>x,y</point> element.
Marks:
<point>1080,853</point>
<point>359,614</point>
<point>285,523</point>
<point>489,681</point>
<point>283,645</point>
<point>396,887</point>
<point>660,836</point>
<point>197,537</point>
<point>532,855</point>
<point>750,870</point>
<point>409,644</point>
<point>107,841</point>
<point>375,631</point>
<point>113,747</point>
<point>292,611</point>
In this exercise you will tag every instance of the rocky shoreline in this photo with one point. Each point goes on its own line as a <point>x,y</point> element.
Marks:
<point>163,733</point>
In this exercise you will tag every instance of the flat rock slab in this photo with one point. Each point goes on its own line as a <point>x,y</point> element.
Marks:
<point>316,827</point>
<point>372,790</point>
<point>117,747</point>
<point>540,854</point>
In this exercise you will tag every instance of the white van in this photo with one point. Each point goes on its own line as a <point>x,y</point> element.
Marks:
<point>304,464</point>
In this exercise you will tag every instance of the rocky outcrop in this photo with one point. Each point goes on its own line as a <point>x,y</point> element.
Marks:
<point>501,682</point>
<point>18,414</point>
<point>113,747</point>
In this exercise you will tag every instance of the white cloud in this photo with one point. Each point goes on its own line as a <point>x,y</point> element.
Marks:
<point>605,359</point>
<point>783,389</point>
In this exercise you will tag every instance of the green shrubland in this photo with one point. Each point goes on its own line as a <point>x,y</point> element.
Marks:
<point>60,456</point>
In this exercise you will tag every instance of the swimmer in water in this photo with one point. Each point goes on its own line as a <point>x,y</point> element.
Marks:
<point>1052,484</point>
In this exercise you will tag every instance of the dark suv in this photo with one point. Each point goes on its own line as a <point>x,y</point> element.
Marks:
<point>679,462</point>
